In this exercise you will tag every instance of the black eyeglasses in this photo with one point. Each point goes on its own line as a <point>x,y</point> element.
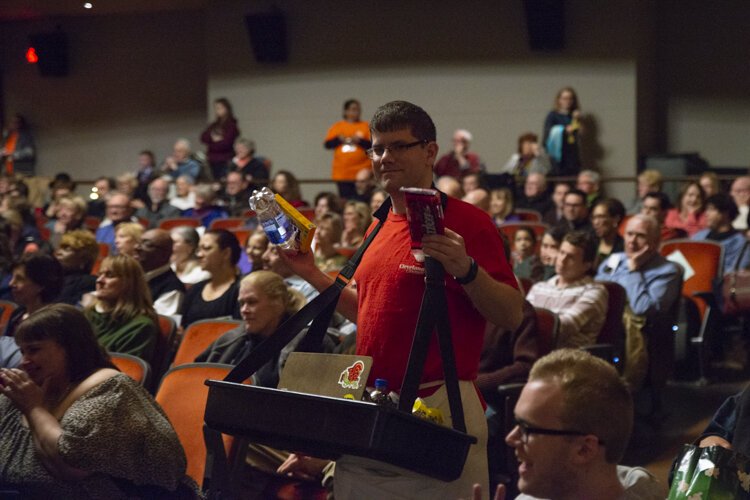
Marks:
<point>526,430</point>
<point>377,152</point>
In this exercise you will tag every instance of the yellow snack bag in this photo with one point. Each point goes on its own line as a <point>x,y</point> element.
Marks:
<point>305,227</point>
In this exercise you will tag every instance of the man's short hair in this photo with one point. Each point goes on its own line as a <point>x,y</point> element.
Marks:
<point>595,399</point>
<point>724,204</point>
<point>583,240</point>
<point>400,115</point>
<point>576,192</point>
<point>614,207</point>
<point>664,202</point>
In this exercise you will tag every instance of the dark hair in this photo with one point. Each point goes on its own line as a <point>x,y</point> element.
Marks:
<point>334,202</point>
<point>292,185</point>
<point>574,105</point>
<point>226,239</point>
<point>400,115</point>
<point>112,183</point>
<point>45,271</point>
<point>664,202</point>
<point>683,192</point>
<point>149,153</point>
<point>724,204</point>
<point>526,229</point>
<point>349,102</point>
<point>577,192</point>
<point>557,233</point>
<point>225,102</point>
<point>614,207</point>
<point>68,327</point>
<point>526,137</point>
<point>584,241</point>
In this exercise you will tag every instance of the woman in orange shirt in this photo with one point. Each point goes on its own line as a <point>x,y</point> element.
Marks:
<point>349,139</point>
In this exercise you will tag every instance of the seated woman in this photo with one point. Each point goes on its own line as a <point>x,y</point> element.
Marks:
<point>357,219</point>
<point>123,316</point>
<point>328,235</point>
<point>127,236</point>
<point>689,215</point>
<point>205,209</point>
<point>501,206</point>
<point>184,259</point>
<point>286,184</point>
<point>72,426</point>
<point>216,297</point>
<point>37,281</point>
<point>77,253</point>
<point>69,216</point>
<point>256,246</point>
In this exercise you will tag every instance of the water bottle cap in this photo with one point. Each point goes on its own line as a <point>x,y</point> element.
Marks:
<point>381,382</point>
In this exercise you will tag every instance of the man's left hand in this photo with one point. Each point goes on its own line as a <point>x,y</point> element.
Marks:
<point>449,249</point>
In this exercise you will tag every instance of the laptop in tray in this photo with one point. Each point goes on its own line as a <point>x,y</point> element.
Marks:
<point>335,375</point>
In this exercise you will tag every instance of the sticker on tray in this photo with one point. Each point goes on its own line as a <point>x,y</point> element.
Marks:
<point>351,376</point>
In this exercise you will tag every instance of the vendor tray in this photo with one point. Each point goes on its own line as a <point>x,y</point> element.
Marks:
<point>330,427</point>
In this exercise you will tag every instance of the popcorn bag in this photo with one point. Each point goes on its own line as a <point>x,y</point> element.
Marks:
<point>713,473</point>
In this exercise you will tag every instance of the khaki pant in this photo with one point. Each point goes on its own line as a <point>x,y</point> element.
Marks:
<point>361,478</point>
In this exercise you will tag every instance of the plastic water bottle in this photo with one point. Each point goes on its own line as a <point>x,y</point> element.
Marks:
<point>275,223</point>
<point>380,394</point>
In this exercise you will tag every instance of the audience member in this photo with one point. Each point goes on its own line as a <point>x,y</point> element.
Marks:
<point>549,248</point>
<point>357,219</point>
<point>561,133</point>
<point>573,422</point>
<point>554,214</point>
<point>184,260</point>
<point>579,302</point>
<point>18,153</point>
<point>184,197</point>
<point>649,181</point>
<point>709,181</point>
<point>118,211</point>
<point>727,427</point>
<point>720,212</point>
<point>501,206</point>
<point>526,263</point>
<point>62,186</point>
<point>23,237</point>
<point>205,209</point>
<point>255,247</point>
<point>157,207</point>
<point>529,158</point>
<point>216,297</point>
<point>535,196</point>
<point>657,205</point>
<point>480,198</point>
<point>286,185</point>
<point>349,138</point>
<point>689,214</point>
<point>378,198</point>
<point>364,186</point>
<point>449,185</point>
<point>605,219</point>
<point>10,353</point>
<point>741,195</point>
<point>588,182</point>
<point>153,253</point>
<point>77,253</point>
<point>73,426</point>
<point>470,182</point>
<point>219,138</point>
<point>145,173</point>
<point>255,169</point>
<point>100,193</point>
<point>181,161</point>
<point>576,212</point>
<point>235,196</point>
<point>460,161</point>
<point>69,216</point>
<point>327,202</point>
<point>127,236</point>
<point>37,281</point>
<point>127,184</point>
<point>330,229</point>
<point>122,314</point>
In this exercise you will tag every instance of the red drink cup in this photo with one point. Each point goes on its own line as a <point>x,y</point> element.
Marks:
<point>424,211</point>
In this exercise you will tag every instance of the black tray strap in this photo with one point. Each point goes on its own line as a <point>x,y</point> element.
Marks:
<point>433,313</point>
<point>319,310</point>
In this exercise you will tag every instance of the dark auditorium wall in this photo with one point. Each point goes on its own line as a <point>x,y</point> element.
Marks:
<point>135,82</point>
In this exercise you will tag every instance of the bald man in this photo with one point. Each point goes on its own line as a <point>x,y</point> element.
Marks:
<point>740,193</point>
<point>153,252</point>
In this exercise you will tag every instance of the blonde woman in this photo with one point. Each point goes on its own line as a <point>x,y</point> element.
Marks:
<point>127,236</point>
<point>122,315</point>
<point>357,219</point>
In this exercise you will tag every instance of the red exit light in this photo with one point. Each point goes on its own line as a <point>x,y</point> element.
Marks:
<point>31,56</point>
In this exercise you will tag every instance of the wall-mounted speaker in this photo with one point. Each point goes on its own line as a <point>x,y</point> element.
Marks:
<point>52,52</point>
<point>268,36</point>
<point>545,22</point>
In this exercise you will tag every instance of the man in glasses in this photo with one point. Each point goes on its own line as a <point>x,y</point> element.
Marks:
<point>574,418</point>
<point>480,286</point>
<point>576,212</point>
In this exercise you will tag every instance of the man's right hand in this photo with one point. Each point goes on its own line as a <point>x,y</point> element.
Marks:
<point>636,260</point>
